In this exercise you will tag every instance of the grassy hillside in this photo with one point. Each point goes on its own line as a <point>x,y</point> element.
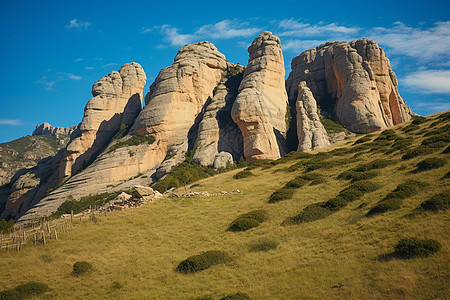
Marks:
<point>346,253</point>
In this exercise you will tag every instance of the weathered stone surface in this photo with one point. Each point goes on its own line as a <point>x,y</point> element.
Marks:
<point>47,129</point>
<point>260,107</point>
<point>117,100</point>
<point>217,131</point>
<point>223,160</point>
<point>352,82</point>
<point>311,133</point>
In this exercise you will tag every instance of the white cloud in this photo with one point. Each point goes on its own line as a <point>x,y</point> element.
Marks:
<point>110,65</point>
<point>299,29</point>
<point>78,60</point>
<point>432,106</point>
<point>427,44</point>
<point>73,76</point>
<point>13,122</point>
<point>428,81</point>
<point>226,29</point>
<point>47,83</point>
<point>59,76</point>
<point>89,68</point>
<point>74,24</point>
<point>300,45</point>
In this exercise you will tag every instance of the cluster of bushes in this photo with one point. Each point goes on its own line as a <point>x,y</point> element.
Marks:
<point>394,199</point>
<point>400,144</point>
<point>243,174</point>
<point>183,174</point>
<point>410,128</point>
<point>81,267</point>
<point>203,261</point>
<point>24,291</point>
<point>363,139</point>
<point>134,140</point>
<point>413,247</point>
<point>331,126</point>
<point>430,164</point>
<point>418,151</point>
<point>84,203</point>
<point>6,226</point>
<point>123,130</point>
<point>263,244</point>
<point>287,191</point>
<point>248,220</point>
<point>438,202</point>
<point>317,211</point>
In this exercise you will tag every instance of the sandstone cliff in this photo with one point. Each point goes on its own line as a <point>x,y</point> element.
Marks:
<point>260,107</point>
<point>47,129</point>
<point>352,82</point>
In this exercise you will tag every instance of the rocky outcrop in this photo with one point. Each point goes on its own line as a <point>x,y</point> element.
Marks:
<point>260,107</point>
<point>217,134</point>
<point>47,129</point>
<point>311,133</point>
<point>352,82</point>
<point>117,100</point>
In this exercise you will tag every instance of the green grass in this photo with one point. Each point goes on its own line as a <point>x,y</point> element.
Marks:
<point>335,257</point>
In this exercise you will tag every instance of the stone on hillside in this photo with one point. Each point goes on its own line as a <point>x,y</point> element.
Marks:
<point>311,133</point>
<point>260,107</point>
<point>352,82</point>
<point>223,160</point>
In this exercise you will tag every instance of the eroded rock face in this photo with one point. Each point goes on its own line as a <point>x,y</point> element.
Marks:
<point>260,107</point>
<point>47,129</point>
<point>352,82</point>
<point>117,100</point>
<point>311,133</point>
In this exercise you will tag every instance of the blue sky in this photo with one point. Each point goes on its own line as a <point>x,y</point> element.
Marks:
<point>53,51</point>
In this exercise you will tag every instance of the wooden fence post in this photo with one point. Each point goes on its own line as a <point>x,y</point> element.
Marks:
<point>56,234</point>
<point>43,237</point>
<point>71,216</point>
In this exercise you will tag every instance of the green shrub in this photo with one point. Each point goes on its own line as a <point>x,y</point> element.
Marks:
<point>418,120</point>
<point>418,151</point>
<point>350,194</point>
<point>444,130</point>
<point>364,139</point>
<point>312,212</point>
<point>123,130</point>
<point>406,189</point>
<point>6,226</point>
<point>374,165</point>
<point>296,183</point>
<point>242,174</point>
<point>311,176</point>
<point>203,261</point>
<point>335,204</point>
<point>413,247</point>
<point>430,163</point>
<point>318,181</point>
<point>25,290</point>
<point>401,144</point>
<point>237,296</point>
<point>331,126</point>
<point>437,141</point>
<point>81,267</point>
<point>447,150</point>
<point>134,140</point>
<point>281,194</point>
<point>410,127</point>
<point>438,202</point>
<point>388,134</point>
<point>357,176</point>
<point>385,205</point>
<point>116,285</point>
<point>248,220</point>
<point>264,244</point>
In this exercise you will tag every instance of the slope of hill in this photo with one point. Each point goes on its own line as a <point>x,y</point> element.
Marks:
<point>338,251</point>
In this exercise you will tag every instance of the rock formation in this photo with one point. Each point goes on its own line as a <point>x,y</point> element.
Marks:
<point>311,133</point>
<point>352,82</point>
<point>47,129</point>
<point>260,107</point>
<point>117,100</point>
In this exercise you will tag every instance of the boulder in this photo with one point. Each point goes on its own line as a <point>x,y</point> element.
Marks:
<point>260,107</point>
<point>311,133</point>
<point>223,160</point>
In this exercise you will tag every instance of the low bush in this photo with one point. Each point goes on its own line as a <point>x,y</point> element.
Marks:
<point>350,195</point>
<point>418,151</point>
<point>441,131</point>
<point>242,174</point>
<point>84,203</point>
<point>296,183</point>
<point>438,202</point>
<point>401,144</point>
<point>203,261</point>
<point>134,140</point>
<point>6,226</point>
<point>264,244</point>
<point>281,194</point>
<point>364,139</point>
<point>248,220</point>
<point>332,127</point>
<point>318,181</point>
<point>335,204</point>
<point>357,176</point>
<point>312,212</point>
<point>430,164</point>
<point>237,296</point>
<point>410,127</point>
<point>437,141</point>
<point>25,290</point>
<point>413,247</point>
<point>418,120</point>
<point>81,267</point>
<point>406,189</point>
<point>385,205</point>
<point>447,150</point>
